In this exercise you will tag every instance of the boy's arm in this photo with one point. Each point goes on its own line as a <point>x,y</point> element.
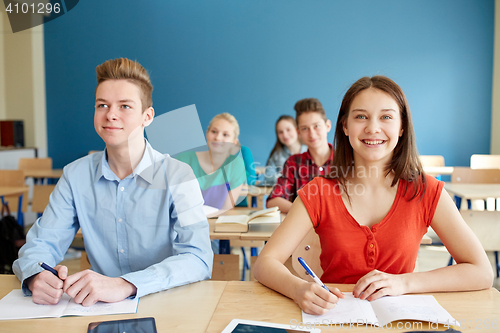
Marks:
<point>50,236</point>
<point>285,188</point>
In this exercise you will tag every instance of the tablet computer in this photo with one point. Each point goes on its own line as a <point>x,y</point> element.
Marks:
<point>142,325</point>
<point>250,326</point>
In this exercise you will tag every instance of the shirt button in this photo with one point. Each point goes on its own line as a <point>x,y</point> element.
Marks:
<point>371,261</point>
<point>370,237</point>
<point>320,168</point>
<point>122,188</point>
<point>120,220</point>
<point>122,250</point>
<point>371,245</point>
<point>372,253</point>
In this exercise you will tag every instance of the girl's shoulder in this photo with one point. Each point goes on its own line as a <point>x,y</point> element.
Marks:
<point>430,189</point>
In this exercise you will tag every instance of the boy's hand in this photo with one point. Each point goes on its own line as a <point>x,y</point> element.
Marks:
<point>376,284</point>
<point>314,299</point>
<point>88,287</point>
<point>46,287</point>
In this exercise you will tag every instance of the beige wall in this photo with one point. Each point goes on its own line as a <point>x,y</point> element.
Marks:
<point>3,28</point>
<point>495,102</point>
<point>22,81</point>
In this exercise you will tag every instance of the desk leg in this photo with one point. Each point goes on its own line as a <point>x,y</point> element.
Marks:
<point>224,247</point>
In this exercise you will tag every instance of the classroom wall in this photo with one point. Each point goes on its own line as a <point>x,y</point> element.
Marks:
<point>3,15</point>
<point>495,107</point>
<point>255,59</point>
<point>22,80</point>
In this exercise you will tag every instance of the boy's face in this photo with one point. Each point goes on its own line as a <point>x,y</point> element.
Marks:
<point>118,116</point>
<point>313,130</point>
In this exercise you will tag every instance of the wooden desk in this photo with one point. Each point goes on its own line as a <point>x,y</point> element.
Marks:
<point>183,309</point>
<point>22,192</point>
<point>473,191</point>
<point>13,190</point>
<point>253,301</point>
<point>49,173</point>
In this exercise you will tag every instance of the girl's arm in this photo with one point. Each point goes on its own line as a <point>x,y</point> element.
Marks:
<point>270,271</point>
<point>472,271</point>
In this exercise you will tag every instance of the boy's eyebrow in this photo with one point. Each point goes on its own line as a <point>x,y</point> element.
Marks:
<point>318,122</point>
<point>126,101</point>
<point>121,101</point>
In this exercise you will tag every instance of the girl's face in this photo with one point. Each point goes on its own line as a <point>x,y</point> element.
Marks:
<point>221,136</point>
<point>373,126</point>
<point>287,133</point>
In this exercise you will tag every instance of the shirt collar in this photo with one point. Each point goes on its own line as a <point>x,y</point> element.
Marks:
<point>143,169</point>
<point>308,155</point>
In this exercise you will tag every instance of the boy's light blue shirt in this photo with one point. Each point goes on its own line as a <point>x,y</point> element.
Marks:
<point>149,228</point>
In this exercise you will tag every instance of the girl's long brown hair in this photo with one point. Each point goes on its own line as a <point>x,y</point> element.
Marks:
<point>405,162</point>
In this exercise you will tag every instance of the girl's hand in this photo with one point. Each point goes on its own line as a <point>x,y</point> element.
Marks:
<point>314,299</point>
<point>377,284</point>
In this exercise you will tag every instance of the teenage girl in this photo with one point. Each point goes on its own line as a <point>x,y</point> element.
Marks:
<point>371,212</point>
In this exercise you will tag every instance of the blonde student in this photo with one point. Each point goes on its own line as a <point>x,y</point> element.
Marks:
<point>371,212</point>
<point>140,212</point>
<point>287,144</point>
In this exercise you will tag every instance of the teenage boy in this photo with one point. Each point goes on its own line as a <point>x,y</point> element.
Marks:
<point>140,212</point>
<point>299,169</point>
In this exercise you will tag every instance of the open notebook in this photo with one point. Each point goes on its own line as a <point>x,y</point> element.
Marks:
<point>240,223</point>
<point>383,311</point>
<point>16,306</point>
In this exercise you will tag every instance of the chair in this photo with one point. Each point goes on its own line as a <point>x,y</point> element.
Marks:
<point>309,249</point>
<point>35,164</point>
<point>479,176</point>
<point>41,195</point>
<point>478,161</point>
<point>14,178</point>
<point>432,161</point>
<point>226,267</point>
<point>486,226</point>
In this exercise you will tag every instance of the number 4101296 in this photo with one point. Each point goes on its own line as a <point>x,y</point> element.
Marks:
<point>38,8</point>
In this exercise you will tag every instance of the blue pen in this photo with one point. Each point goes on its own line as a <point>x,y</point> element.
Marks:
<point>311,273</point>
<point>48,268</point>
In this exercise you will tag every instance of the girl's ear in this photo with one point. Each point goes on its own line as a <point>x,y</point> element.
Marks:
<point>344,127</point>
<point>401,133</point>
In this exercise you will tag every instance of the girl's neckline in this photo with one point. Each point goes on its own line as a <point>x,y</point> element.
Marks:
<point>385,218</point>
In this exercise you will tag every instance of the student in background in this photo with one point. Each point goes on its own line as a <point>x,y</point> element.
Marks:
<point>300,169</point>
<point>287,144</point>
<point>372,211</point>
<point>220,170</point>
<point>140,212</point>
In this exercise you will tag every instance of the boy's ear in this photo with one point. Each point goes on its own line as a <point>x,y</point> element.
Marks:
<point>328,125</point>
<point>148,116</point>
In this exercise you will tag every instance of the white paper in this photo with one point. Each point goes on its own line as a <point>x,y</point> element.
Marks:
<point>16,306</point>
<point>383,311</point>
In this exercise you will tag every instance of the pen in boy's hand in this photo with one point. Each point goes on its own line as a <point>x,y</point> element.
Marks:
<point>48,268</point>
